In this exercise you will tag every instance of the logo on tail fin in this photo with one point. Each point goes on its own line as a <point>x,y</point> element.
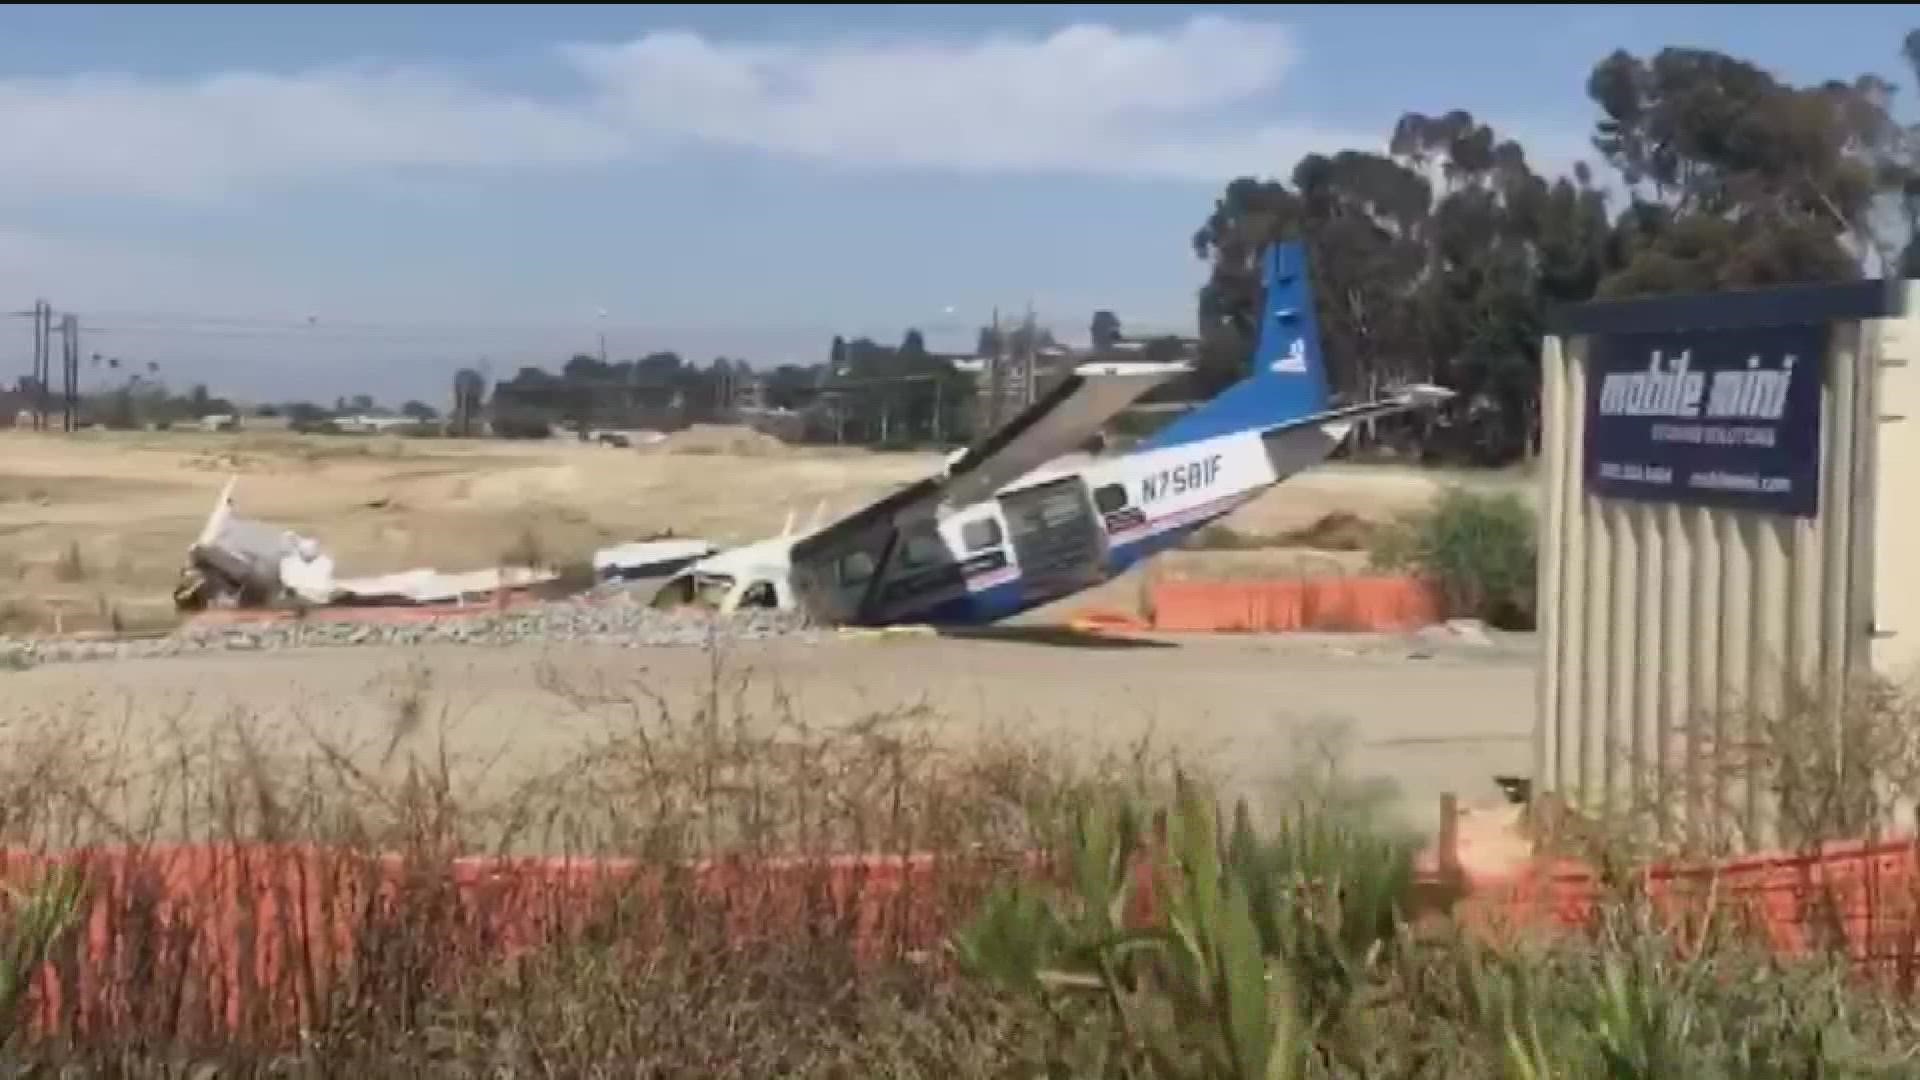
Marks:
<point>1286,382</point>
<point>1293,361</point>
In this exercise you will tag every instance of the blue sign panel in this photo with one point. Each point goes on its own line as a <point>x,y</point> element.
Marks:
<point>1727,418</point>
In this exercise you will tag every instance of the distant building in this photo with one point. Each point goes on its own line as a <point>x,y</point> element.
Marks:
<point>363,424</point>
<point>16,409</point>
<point>1015,386</point>
<point>749,393</point>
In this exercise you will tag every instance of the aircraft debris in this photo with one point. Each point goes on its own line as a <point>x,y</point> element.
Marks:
<point>245,563</point>
<point>650,558</point>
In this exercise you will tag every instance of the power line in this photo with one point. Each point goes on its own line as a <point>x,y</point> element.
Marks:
<point>156,321</point>
<point>42,374</point>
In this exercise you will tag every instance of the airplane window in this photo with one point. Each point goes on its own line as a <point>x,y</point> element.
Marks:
<point>855,568</point>
<point>1061,508</point>
<point>922,549</point>
<point>758,595</point>
<point>712,590</point>
<point>673,594</point>
<point>1110,498</point>
<point>981,534</point>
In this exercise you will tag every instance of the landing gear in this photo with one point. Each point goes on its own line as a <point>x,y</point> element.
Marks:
<point>193,593</point>
<point>199,590</point>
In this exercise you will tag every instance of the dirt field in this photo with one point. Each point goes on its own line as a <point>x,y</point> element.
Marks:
<point>1430,717</point>
<point>93,527</point>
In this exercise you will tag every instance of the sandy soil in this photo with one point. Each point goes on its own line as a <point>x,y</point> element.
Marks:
<point>1429,717</point>
<point>94,526</point>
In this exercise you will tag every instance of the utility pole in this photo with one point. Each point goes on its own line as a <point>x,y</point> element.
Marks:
<point>1029,351</point>
<point>994,376</point>
<point>39,366</point>
<point>43,362</point>
<point>70,372</point>
<point>938,428</point>
<point>42,316</point>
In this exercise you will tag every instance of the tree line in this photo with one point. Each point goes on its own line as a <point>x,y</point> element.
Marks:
<point>862,393</point>
<point>1438,259</point>
<point>1435,259</point>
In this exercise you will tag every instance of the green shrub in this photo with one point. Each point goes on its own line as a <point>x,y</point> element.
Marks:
<point>34,922</point>
<point>1288,955</point>
<point>1480,551</point>
<point>1256,960</point>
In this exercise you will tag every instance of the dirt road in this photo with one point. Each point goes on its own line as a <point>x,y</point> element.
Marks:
<point>1428,717</point>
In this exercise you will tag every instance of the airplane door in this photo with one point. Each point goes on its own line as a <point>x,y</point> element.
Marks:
<point>1056,537</point>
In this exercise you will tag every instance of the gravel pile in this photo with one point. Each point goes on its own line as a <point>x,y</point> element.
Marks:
<point>615,620</point>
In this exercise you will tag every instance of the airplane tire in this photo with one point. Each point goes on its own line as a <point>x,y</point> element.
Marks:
<point>191,593</point>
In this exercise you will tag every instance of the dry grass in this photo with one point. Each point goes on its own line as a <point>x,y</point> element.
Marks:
<point>681,967</point>
<point>650,970</point>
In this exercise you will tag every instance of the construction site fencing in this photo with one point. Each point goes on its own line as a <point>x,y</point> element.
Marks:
<point>208,941</point>
<point>269,941</point>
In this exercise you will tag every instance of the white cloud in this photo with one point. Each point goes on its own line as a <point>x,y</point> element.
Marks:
<point>1086,98</point>
<point>183,138</point>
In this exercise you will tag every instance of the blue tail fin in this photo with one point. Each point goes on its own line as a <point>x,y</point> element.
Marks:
<point>1289,378</point>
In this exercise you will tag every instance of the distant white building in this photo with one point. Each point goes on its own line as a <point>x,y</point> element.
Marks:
<point>373,424</point>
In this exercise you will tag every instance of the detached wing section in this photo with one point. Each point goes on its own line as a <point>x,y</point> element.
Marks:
<point>837,569</point>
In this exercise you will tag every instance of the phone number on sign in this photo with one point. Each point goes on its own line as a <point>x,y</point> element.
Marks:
<point>1641,474</point>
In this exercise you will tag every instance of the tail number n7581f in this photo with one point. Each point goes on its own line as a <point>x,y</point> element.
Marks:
<point>1180,479</point>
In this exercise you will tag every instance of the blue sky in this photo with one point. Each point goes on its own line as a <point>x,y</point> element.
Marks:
<point>289,201</point>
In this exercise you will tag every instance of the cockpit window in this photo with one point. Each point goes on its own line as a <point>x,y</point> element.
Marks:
<point>856,568</point>
<point>673,594</point>
<point>759,595</point>
<point>922,548</point>
<point>712,590</point>
<point>700,590</point>
<point>981,534</point>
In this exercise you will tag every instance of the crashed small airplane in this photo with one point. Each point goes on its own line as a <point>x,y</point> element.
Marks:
<point>240,562</point>
<point>1008,525</point>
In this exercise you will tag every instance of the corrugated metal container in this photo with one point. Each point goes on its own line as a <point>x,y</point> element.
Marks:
<point>1668,627</point>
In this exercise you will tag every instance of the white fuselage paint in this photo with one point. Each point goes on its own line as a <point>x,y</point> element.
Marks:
<point>1168,493</point>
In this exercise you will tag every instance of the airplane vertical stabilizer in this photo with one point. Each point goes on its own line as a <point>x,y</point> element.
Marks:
<point>1289,377</point>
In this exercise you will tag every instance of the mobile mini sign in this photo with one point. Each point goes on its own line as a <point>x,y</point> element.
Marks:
<point>1727,418</point>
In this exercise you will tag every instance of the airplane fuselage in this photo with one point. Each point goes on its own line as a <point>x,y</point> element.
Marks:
<point>993,536</point>
<point>1057,531</point>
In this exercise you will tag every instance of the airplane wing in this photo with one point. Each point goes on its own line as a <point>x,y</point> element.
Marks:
<point>1052,426</point>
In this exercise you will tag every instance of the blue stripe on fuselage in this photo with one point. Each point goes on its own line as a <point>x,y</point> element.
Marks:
<point>1006,599</point>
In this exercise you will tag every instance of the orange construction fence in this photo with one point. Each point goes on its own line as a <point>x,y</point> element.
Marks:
<point>1332,603</point>
<point>267,939</point>
<point>1860,897</point>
